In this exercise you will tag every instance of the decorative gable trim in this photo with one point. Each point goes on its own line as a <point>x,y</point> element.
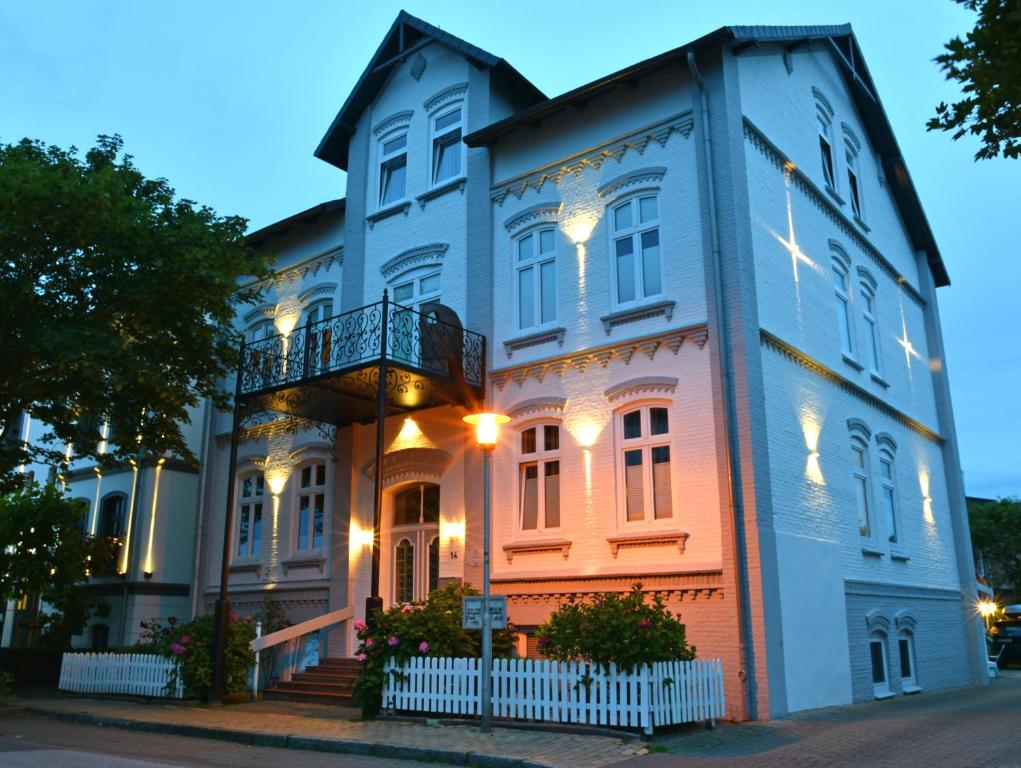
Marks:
<point>446,96</point>
<point>543,213</point>
<point>595,158</point>
<point>400,119</point>
<point>317,291</point>
<point>537,405</point>
<point>414,257</point>
<point>641,385</point>
<point>625,182</point>
<point>410,463</point>
<point>601,356</point>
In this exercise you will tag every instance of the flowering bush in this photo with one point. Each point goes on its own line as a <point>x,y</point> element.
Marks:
<point>626,630</point>
<point>191,644</point>
<point>432,628</point>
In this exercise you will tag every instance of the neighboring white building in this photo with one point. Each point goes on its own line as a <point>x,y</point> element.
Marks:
<point>706,288</point>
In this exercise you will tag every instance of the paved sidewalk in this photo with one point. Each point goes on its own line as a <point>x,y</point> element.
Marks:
<point>331,728</point>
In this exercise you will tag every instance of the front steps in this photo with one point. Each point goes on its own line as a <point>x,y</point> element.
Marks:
<point>331,681</point>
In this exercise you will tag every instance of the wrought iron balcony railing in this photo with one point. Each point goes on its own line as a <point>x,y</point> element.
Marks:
<point>421,342</point>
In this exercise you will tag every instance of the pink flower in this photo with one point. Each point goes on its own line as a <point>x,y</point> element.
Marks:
<point>369,642</point>
<point>544,641</point>
<point>176,649</point>
<point>645,623</point>
<point>407,608</point>
<point>423,647</point>
<point>359,625</point>
<point>392,641</point>
<point>361,657</point>
<point>185,639</point>
<point>233,616</point>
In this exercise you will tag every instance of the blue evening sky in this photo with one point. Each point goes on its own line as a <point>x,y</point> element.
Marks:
<point>228,100</point>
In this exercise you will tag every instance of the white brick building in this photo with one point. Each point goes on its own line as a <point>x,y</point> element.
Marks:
<point>707,291</point>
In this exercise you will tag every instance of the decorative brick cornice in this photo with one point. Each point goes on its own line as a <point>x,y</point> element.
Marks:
<point>641,385</point>
<point>302,269</point>
<point>595,158</point>
<point>310,452</point>
<point>444,97</point>
<point>269,425</point>
<point>413,257</point>
<point>823,202</point>
<point>626,182</point>
<point>543,213</point>
<point>795,355</point>
<point>601,356</point>
<point>537,405</point>
<point>250,464</point>
<point>396,120</point>
<point>690,585</point>
<point>409,464</point>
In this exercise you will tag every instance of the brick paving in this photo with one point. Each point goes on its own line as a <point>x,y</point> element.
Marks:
<point>335,724</point>
<point>956,728</point>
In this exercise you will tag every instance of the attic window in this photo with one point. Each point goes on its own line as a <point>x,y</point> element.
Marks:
<point>393,168</point>
<point>446,145</point>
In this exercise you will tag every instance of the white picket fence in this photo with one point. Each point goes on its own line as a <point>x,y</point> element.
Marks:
<point>137,674</point>
<point>662,693</point>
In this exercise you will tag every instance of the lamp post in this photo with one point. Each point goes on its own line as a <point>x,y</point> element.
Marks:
<point>487,427</point>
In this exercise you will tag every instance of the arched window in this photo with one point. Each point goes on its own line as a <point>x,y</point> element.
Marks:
<point>880,672</point>
<point>824,126</point>
<point>111,515</point>
<point>311,514</point>
<point>434,564</point>
<point>888,493</point>
<point>868,313</point>
<point>906,649</point>
<point>860,479</point>
<point>250,501</point>
<point>83,522</point>
<point>853,178</point>
<point>321,310</point>
<point>536,285</point>
<point>842,302</point>
<point>539,474</point>
<point>416,517</point>
<point>637,273</point>
<point>644,456</point>
<point>404,571</point>
<point>393,167</point>
<point>446,128</point>
<point>260,330</point>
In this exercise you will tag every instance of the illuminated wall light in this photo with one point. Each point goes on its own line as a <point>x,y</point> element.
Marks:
<point>359,539</point>
<point>811,428</point>
<point>987,608</point>
<point>95,502</point>
<point>587,433</point>
<point>147,569</point>
<point>276,479</point>
<point>452,530</point>
<point>923,484</point>
<point>410,436</point>
<point>131,518</point>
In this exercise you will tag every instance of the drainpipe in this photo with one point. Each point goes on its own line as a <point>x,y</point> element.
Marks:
<point>745,645</point>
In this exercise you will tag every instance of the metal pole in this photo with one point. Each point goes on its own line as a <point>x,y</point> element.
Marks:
<point>221,611</point>
<point>255,669</point>
<point>374,600</point>
<point>487,623</point>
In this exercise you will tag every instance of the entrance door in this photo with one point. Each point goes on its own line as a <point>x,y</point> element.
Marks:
<point>415,542</point>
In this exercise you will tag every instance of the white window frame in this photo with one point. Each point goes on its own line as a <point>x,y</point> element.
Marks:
<point>881,690</point>
<point>854,190</point>
<point>318,311</point>
<point>908,684</point>
<point>420,535</point>
<point>646,443</point>
<point>870,317</point>
<point>436,136</point>
<point>535,263</point>
<point>824,129</point>
<point>312,491</point>
<point>254,499</point>
<point>387,159</point>
<point>259,330</point>
<point>861,478</point>
<point>892,516</point>
<point>843,306</point>
<point>634,233</point>
<point>539,458</point>
<point>415,278</point>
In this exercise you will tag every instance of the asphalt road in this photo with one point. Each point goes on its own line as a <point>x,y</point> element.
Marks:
<point>28,741</point>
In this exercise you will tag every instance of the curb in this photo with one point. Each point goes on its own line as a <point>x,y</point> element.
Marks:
<point>282,741</point>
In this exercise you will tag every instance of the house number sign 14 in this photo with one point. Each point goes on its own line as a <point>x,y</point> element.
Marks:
<point>471,615</point>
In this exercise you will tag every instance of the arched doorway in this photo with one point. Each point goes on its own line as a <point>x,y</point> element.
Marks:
<point>415,542</point>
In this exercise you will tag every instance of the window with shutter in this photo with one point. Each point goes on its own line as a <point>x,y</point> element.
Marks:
<point>646,467</point>
<point>539,478</point>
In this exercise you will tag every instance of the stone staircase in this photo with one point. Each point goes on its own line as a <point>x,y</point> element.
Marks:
<point>331,681</point>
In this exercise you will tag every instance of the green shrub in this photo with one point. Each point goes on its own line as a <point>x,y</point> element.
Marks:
<point>432,628</point>
<point>626,630</point>
<point>191,645</point>
<point>6,683</point>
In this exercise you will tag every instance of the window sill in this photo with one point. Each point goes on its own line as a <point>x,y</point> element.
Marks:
<point>386,213</point>
<point>881,695</point>
<point>648,539</point>
<point>862,224</point>
<point>563,546</point>
<point>911,689</point>
<point>879,380</point>
<point>641,312</point>
<point>442,189</point>
<point>246,567</point>
<point>852,362</point>
<point>310,560</point>
<point>898,556</point>
<point>834,194</point>
<point>534,339</point>
<point>870,550</point>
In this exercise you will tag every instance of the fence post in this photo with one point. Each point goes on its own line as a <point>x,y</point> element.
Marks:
<point>255,671</point>
<point>646,694</point>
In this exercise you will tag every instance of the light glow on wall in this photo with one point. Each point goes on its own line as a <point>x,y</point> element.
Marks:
<point>95,502</point>
<point>276,479</point>
<point>359,539</point>
<point>587,432</point>
<point>790,243</point>
<point>579,226</point>
<point>811,428</point>
<point>451,532</point>
<point>923,484</point>
<point>148,567</point>
<point>131,518</point>
<point>410,436</point>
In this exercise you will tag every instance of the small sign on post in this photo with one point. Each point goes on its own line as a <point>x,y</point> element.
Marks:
<point>471,611</point>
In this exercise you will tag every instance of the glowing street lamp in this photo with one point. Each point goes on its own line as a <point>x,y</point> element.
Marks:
<point>988,609</point>
<point>487,429</point>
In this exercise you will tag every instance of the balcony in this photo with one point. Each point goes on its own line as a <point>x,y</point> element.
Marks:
<point>329,371</point>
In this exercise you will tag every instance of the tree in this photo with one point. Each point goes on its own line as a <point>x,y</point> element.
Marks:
<point>45,551</point>
<point>985,64</point>
<point>116,304</point>
<point>996,534</point>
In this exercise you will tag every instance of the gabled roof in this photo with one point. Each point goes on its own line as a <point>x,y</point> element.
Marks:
<point>842,44</point>
<point>407,35</point>
<point>303,217</point>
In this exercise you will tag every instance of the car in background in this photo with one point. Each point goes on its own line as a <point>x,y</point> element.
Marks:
<point>1006,634</point>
